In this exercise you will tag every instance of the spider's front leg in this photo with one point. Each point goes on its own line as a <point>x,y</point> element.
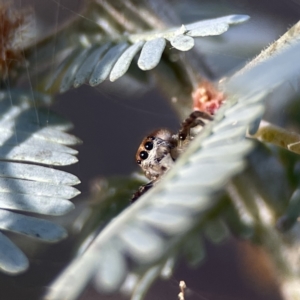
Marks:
<point>195,118</point>
<point>142,190</point>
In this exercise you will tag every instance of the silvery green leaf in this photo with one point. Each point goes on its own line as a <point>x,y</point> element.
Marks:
<point>188,201</point>
<point>55,136</point>
<point>214,26</point>
<point>245,114</point>
<point>151,53</point>
<point>145,282</point>
<point>212,29</point>
<point>201,28</point>
<point>153,210</point>
<point>37,173</point>
<point>12,259</point>
<point>10,137</point>
<point>30,226</point>
<point>86,69</point>
<point>28,133</point>
<point>209,169</point>
<point>141,242</point>
<point>168,267</point>
<point>26,136</point>
<point>42,133</point>
<point>241,148</point>
<point>29,119</point>
<point>59,69</point>
<point>280,67</point>
<point>53,206</point>
<point>163,209</point>
<point>123,63</point>
<point>114,59</point>
<point>228,137</point>
<point>112,262</point>
<point>169,219</point>
<point>37,155</point>
<point>10,185</point>
<point>182,42</point>
<point>20,116</point>
<point>69,75</point>
<point>106,64</point>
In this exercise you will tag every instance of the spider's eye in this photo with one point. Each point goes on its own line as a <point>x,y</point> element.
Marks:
<point>143,155</point>
<point>149,145</point>
<point>139,162</point>
<point>182,136</point>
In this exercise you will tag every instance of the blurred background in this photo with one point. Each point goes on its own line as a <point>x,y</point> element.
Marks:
<point>111,120</point>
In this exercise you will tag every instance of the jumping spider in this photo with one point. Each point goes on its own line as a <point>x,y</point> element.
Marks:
<point>160,149</point>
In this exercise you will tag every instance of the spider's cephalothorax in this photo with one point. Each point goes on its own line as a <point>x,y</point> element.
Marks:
<point>159,150</point>
<point>156,154</point>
